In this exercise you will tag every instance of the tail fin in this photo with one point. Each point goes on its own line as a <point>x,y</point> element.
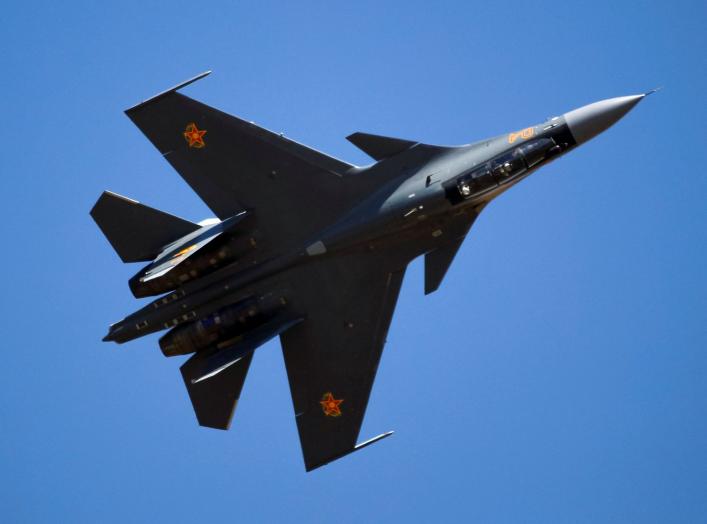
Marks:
<point>137,232</point>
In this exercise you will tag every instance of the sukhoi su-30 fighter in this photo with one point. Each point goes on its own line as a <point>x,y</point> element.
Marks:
<point>305,247</point>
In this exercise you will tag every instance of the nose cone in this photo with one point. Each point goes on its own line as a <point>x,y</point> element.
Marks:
<point>588,121</point>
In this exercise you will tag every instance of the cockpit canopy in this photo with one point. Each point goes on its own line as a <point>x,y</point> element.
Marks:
<point>536,151</point>
<point>505,167</point>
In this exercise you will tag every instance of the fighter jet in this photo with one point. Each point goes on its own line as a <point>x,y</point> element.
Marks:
<point>305,247</point>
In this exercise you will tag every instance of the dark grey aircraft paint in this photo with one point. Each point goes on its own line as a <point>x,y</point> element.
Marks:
<point>306,247</point>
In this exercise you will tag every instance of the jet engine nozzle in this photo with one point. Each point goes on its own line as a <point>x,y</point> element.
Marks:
<point>588,121</point>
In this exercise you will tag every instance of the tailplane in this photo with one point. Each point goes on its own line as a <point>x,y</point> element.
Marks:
<point>137,232</point>
<point>214,400</point>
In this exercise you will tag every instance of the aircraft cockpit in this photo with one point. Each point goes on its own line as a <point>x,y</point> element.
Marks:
<point>506,167</point>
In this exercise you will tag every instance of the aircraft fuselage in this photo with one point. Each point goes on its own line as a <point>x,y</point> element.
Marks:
<point>306,247</point>
<point>427,183</point>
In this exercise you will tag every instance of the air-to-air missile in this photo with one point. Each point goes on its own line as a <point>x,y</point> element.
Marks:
<point>305,247</point>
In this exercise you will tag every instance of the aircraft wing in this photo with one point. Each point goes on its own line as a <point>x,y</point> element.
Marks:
<point>332,356</point>
<point>234,165</point>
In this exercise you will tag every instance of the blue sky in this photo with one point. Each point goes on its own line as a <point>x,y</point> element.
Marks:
<point>557,376</point>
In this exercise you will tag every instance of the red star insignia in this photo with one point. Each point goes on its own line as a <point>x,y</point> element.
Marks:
<point>194,136</point>
<point>330,405</point>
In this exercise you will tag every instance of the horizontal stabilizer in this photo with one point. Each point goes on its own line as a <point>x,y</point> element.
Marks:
<point>137,232</point>
<point>214,400</point>
<point>379,147</point>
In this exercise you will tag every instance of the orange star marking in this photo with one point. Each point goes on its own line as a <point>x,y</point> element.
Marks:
<point>194,136</point>
<point>330,405</point>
